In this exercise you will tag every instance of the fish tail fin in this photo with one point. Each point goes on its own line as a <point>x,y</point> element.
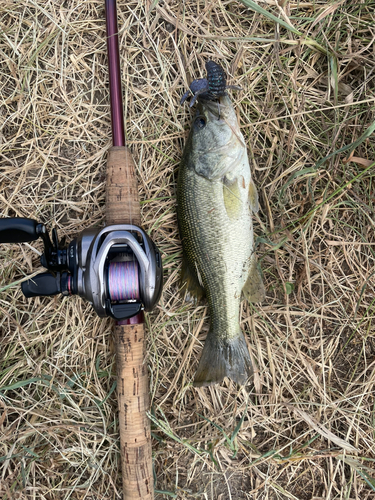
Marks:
<point>229,358</point>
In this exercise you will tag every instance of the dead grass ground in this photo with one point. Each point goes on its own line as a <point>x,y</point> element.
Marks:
<point>307,426</point>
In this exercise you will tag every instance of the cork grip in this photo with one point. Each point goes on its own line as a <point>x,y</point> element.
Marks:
<point>122,207</point>
<point>122,200</point>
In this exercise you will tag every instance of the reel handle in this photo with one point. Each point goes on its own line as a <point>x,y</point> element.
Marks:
<point>19,230</point>
<point>43,284</point>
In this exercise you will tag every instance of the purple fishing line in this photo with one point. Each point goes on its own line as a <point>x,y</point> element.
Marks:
<point>123,280</point>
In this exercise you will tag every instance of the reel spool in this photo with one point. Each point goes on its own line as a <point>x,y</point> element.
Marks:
<point>117,269</point>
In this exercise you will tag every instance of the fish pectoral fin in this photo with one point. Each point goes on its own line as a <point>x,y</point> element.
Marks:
<point>190,282</point>
<point>253,289</point>
<point>223,358</point>
<point>232,198</point>
<point>253,198</point>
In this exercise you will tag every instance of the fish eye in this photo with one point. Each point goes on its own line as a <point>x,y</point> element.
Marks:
<point>200,123</point>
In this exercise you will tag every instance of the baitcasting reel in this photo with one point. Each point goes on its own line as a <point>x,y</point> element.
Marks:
<point>118,269</point>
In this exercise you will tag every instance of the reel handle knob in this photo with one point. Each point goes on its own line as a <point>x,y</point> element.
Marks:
<point>42,284</point>
<point>20,230</point>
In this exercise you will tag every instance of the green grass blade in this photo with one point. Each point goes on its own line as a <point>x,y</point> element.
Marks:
<point>217,427</point>
<point>168,493</point>
<point>164,426</point>
<point>304,171</point>
<point>350,147</point>
<point>334,77</point>
<point>238,426</point>
<point>22,383</point>
<point>369,480</point>
<point>256,8</point>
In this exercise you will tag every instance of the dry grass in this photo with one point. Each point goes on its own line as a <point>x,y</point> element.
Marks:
<point>306,429</point>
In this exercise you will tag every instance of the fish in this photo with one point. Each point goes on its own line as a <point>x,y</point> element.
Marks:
<point>216,198</point>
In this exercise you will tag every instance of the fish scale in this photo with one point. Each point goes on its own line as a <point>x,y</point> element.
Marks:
<point>215,224</point>
<point>219,248</point>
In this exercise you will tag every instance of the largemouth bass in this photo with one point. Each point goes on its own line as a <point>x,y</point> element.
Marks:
<point>216,197</point>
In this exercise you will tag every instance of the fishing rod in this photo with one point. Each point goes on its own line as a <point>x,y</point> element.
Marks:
<point>118,269</point>
<point>122,205</point>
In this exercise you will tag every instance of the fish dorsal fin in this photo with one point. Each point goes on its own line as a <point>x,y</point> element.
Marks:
<point>253,197</point>
<point>190,282</point>
<point>254,288</point>
<point>232,197</point>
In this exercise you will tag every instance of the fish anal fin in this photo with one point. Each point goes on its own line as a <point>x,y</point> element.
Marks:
<point>253,289</point>
<point>253,197</point>
<point>190,282</point>
<point>232,197</point>
<point>223,358</point>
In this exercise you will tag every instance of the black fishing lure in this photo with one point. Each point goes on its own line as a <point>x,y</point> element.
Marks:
<point>210,88</point>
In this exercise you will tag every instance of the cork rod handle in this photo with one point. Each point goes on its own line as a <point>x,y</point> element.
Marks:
<point>122,207</point>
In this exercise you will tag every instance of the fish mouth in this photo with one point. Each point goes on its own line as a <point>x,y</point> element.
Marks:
<point>220,108</point>
<point>220,111</point>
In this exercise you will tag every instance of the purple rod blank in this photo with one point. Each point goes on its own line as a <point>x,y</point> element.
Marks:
<point>117,117</point>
